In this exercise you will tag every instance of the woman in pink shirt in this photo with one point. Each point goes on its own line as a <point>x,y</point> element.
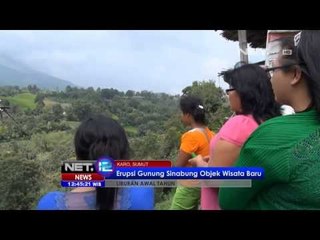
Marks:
<point>252,99</point>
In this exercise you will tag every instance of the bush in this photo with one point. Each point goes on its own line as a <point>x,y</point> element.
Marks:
<point>20,186</point>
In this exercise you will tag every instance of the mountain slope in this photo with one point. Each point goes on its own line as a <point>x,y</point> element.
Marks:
<point>14,73</point>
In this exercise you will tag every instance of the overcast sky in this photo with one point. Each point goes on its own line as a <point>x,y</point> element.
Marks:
<point>159,61</point>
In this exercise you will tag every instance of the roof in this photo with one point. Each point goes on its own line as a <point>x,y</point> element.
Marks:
<point>255,38</point>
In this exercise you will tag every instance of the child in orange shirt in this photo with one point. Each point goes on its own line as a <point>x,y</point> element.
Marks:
<point>195,141</point>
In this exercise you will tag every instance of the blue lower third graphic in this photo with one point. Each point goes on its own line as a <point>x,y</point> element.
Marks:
<point>188,173</point>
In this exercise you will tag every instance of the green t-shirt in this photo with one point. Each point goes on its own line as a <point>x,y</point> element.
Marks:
<point>288,148</point>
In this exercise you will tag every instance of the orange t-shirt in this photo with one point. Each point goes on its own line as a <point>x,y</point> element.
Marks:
<point>197,141</point>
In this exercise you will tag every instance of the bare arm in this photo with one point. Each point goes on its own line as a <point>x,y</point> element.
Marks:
<point>225,154</point>
<point>183,158</point>
<point>199,161</point>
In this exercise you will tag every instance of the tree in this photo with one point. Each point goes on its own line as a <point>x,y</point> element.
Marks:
<point>146,147</point>
<point>110,93</point>
<point>57,111</point>
<point>170,143</point>
<point>33,89</point>
<point>130,93</point>
<point>208,92</point>
<point>7,91</point>
<point>20,187</point>
<point>40,105</point>
<point>39,98</point>
<point>214,100</point>
<point>81,110</point>
<point>134,103</point>
<point>4,102</point>
<point>68,89</point>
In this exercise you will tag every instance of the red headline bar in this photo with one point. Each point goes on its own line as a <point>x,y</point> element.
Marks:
<point>143,163</point>
<point>81,177</point>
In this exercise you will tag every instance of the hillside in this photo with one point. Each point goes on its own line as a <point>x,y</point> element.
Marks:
<point>23,100</point>
<point>15,73</point>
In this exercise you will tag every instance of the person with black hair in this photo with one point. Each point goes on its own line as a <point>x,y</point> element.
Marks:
<point>195,141</point>
<point>287,147</point>
<point>96,137</point>
<point>252,99</point>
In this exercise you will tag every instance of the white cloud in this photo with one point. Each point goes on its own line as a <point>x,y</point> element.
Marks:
<point>212,66</point>
<point>165,61</point>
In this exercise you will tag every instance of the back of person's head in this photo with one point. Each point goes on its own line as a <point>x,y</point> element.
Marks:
<point>253,85</point>
<point>193,106</point>
<point>308,54</point>
<point>100,136</point>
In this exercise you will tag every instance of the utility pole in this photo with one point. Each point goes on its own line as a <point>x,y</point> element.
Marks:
<point>242,36</point>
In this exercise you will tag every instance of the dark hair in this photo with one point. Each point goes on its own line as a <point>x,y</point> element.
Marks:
<point>193,106</point>
<point>308,54</point>
<point>253,85</point>
<point>101,136</point>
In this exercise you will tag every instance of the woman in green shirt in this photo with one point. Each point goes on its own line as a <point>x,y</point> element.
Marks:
<point>287,147</point>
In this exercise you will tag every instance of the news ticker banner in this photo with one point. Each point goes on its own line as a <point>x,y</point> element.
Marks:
<point>157,173</point>
<point>240,183</point>
<point>245,183</point>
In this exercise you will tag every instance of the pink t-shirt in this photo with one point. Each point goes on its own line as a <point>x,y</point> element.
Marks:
<point>236,130</point>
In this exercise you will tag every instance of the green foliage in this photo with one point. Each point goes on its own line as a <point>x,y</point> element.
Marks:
<point>130,93</point>
<point>57,112</point>
<point>131,131</point>
<point>33,89</point>
<point>32,168</point>
<point>39,98</point>
<point>81,109</point>
<point>40,105</point>
<point>4,102</point>
<point>212,96</point>
<point>20,185</point>
<point>8,91</point>
<point>164,200</point>
<point>46,123</point>
<point>214,99</point>
<point>48,142</point>
<point>115,117</point>
<point>23,100</point>
<point>110,93</point>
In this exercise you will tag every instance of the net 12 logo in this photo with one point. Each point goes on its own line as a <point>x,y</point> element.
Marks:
<point>105,166</point>
<point>86,173</point>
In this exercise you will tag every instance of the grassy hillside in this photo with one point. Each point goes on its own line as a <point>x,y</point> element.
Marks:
<point>24,100</point>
